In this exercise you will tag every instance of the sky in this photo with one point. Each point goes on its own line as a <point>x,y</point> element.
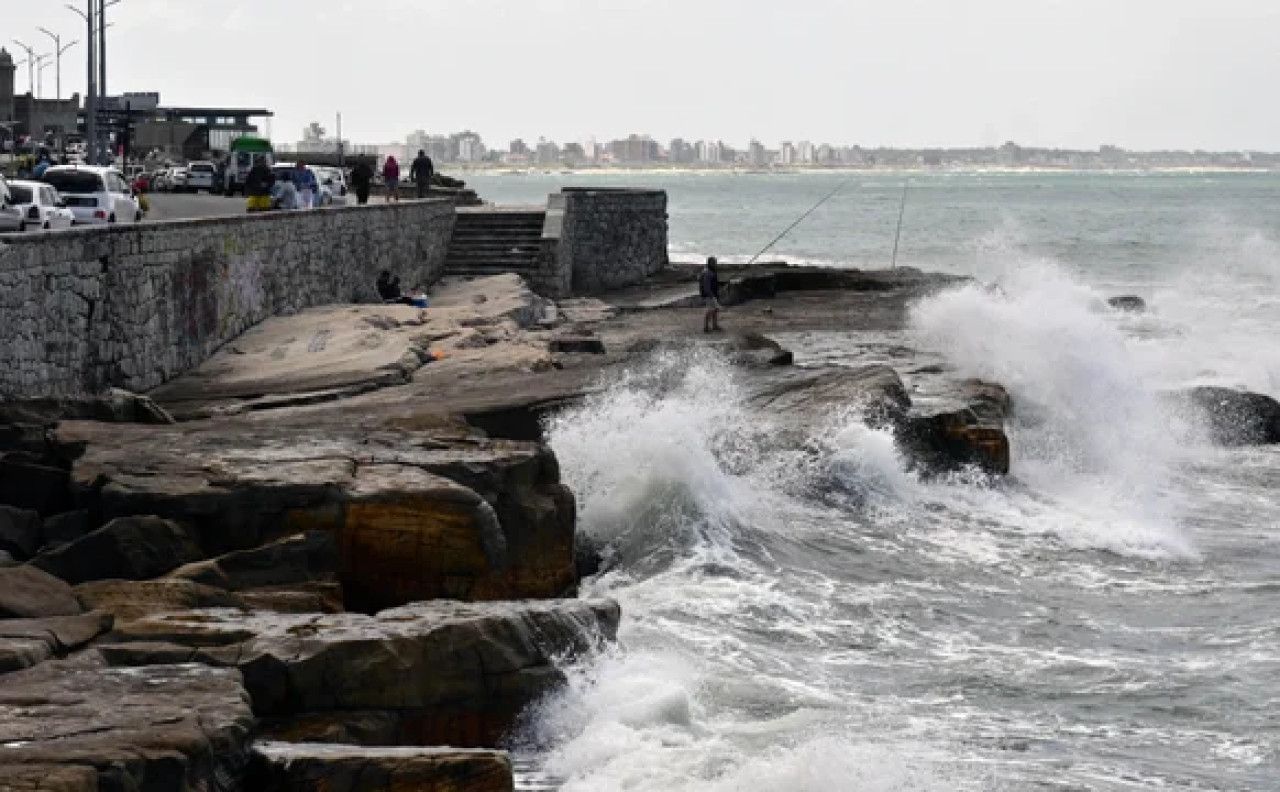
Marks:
<point>1141,74</point>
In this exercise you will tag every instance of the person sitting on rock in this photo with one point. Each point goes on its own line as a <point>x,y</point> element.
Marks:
<point>389,290</point>
<point>709,289</point>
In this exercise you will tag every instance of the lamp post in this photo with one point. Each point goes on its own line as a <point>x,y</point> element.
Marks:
<point>42,63</point>
<point>58,49</point>
<point>103,5</point>
<point>31,66</point>
<point>90,101</point>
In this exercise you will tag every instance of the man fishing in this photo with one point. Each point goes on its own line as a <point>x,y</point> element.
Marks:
<point>709,288</point>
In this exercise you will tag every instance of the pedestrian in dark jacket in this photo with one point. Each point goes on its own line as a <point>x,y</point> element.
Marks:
<point>709,289</point>
<point>257,186</point>
<point>362,180</point>
<point>421,172</point>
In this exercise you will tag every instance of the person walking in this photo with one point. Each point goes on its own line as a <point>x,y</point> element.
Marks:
<point>362,180</point>
<point>305,181</point>
<point>709,289</point>
<point>257,186</point>
<point>421,172</point>
<point>391,177</point>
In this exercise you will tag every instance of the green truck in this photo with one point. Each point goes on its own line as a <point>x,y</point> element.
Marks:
<point>236,167</point>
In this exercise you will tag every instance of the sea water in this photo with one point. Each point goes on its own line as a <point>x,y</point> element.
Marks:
<point>808,616</point>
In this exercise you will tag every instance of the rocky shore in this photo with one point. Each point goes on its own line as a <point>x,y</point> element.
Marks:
<point>339,554</point>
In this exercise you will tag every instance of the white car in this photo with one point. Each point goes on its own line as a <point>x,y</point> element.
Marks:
<point>95,195</point>
<point>41,205</point>
<point>336,181</point>
<point>200,176</point>
<point>176,181</point>
<point>11,217</point>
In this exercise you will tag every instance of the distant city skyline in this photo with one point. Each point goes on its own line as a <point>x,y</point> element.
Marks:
<point>469,148</point>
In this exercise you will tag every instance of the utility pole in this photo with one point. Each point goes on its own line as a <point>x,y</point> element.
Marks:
<point>340,161</point>
<point>58,50</point>
<point>90,101</point>
<point>31,66</point>
<point>103,5</point>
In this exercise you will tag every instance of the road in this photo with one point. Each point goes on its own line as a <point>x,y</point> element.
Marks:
<point>181,206</point>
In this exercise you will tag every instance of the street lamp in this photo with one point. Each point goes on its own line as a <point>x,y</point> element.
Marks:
<point>103,5</point>
<point>58,50</point>
<point>90,103</point>
<point>31,66</point>
<point>42,63</point>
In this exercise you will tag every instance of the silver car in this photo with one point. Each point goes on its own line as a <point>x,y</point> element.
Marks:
<point>12,218</point>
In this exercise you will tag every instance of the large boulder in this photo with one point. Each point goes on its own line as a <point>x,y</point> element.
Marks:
<point>171,727</point>
<point>963,431</point>
<point>450,673</point>
<point>47,778</point>
<point>134,599</point>
<point>127,548</point>
<point>305,558</point>
<point>1231,417</point>
<point>30,593</point>
<point>1128,303</point>
<point>27,642</point>
<point>874,393</point>
<point>286,767</point>
<point>413,516</point>
<point>112,406</point>
<point>21,532</point>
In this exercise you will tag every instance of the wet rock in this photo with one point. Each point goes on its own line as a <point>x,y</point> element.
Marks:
<point>578,345</point>
<point>377,727</point>
<point>29,482</point>
<point>113,406</point>
<point>161,728</point>
<point>454,673</point>
<point>413,516</point>
<point>1128,303</point>
<point>304,558</point>
<point>962,433</point>
<point>21,533</point>
<point>285,767</point>
<point>30,593</point>
<point>755,350</point>
<point>305,598</point>
<point>7,560</point>
<point>135,599</point>
<point>48,778</point>
<point>127,548</point>
<point>67,527</point>
<point>28,642</point>
<point>875,393</point>
<point>1232,417</point>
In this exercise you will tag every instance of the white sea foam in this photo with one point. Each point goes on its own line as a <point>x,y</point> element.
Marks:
<point>1090,431</point>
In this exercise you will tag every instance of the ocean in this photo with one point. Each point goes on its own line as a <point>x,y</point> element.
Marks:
<point>795,620</point>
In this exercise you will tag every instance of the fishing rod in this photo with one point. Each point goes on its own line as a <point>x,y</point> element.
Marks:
<point>897,236</point>
<point>812,209</point>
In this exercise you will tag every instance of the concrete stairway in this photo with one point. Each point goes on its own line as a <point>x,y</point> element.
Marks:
<point>491,241</point>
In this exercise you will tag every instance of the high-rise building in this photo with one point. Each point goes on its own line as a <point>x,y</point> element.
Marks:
<point>805,152</point>
<point>519,148</point>
<point>681,152</point>
<point>547,152</point>
<point>635,149</point>
<point>590,150</point>
<point>757,157</point>
<point>710,152</point>
<point>787,153</point>
<point>470,147</point>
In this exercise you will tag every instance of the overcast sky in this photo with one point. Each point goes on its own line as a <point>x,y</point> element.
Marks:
<point>1072,73</point>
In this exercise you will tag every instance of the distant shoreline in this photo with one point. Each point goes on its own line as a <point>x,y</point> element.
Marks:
<point>509,171</point>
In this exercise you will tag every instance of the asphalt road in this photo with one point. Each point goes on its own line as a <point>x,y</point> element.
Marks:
<point>183,206</point>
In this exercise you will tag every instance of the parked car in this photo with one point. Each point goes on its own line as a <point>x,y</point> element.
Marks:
<point>160,180</point>
<point>176,180</point>
<point>200,176</point>
<point>11,217</point>
<point>335,180</point>
<point>41,205</point>
<point>95,195</point>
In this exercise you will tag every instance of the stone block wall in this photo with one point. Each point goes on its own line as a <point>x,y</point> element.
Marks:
<point>610,239</point>
<point>134,306</point>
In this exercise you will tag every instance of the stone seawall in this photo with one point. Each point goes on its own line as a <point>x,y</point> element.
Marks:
<point>134,306</point>
<point>611,239</point>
